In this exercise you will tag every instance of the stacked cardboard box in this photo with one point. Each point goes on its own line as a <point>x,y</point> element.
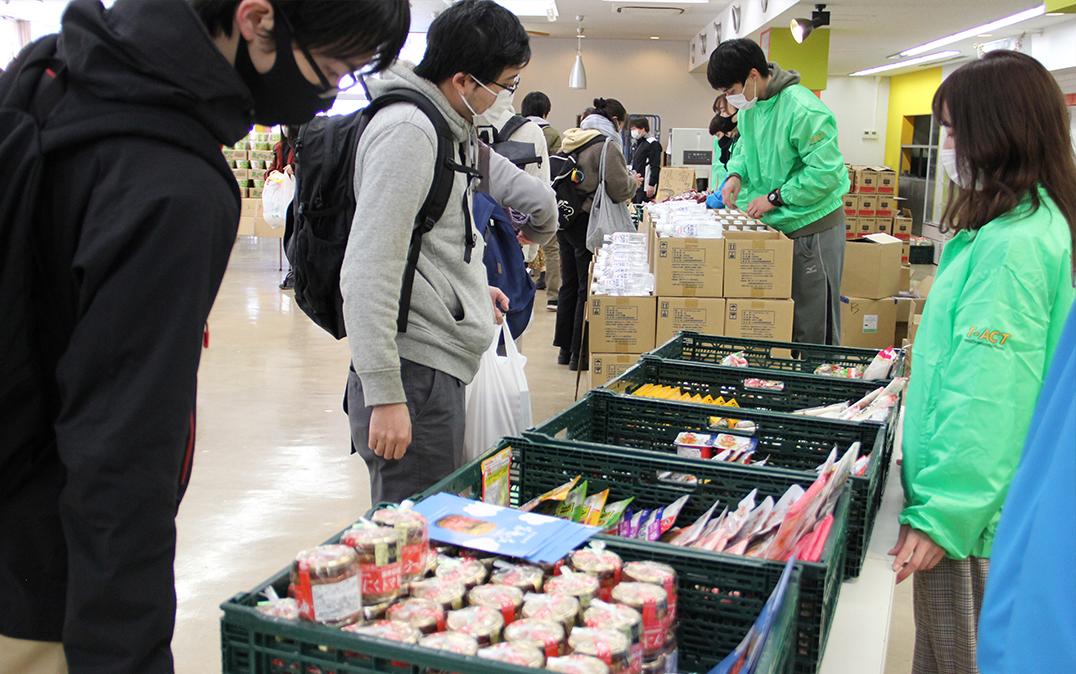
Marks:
<point>875,293</point>
<point>249,159</point>
<point>871,206</point>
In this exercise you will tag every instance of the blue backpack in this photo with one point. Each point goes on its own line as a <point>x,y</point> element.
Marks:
<point>505,267</point>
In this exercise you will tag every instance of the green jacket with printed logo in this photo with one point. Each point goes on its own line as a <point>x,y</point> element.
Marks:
<point>789,140</point>
<point>991,323</point>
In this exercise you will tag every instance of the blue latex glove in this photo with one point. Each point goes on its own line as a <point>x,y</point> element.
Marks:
<point>714,200</point>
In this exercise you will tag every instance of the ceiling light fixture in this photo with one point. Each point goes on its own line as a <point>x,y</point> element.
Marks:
<point>528,8</point>
<point>919,60</point>
<point>577,78</point>
<point>976,30</point>
<point>801,28</point>
<point>654,37</point>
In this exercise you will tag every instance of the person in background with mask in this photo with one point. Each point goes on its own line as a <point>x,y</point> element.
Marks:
<point>787,170</point>
<point>536,107</point>
<point>723,129</point>
<point>993,320</point>
<point>646,159</point>
<point>133,229</point>
<point>606,119</point>
<point>498,115</point>
<point>405,396</point>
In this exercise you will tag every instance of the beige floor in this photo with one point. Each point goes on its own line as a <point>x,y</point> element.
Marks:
<point>273,473</point>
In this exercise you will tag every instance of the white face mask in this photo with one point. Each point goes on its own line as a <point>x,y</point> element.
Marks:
<point>475,119</point>
<point>740,102</point>
<point>952,168</point>
<point>637,134</point>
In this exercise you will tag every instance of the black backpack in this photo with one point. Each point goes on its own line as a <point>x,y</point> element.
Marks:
<point>519,153</point>
<point>324,206</point>
<point>565,177</point>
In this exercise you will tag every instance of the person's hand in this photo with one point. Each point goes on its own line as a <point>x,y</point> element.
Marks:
<point>523,240</point>
<point>731,191</point>
<point>650,191</point>
<point>914,551</point>
<point>289,170</point>
<point>638,180</point>
<point>759,207</point>
<point>500,304</point>
<point>390,431</point>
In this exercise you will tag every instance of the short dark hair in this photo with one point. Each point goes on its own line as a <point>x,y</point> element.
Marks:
<point>535,104</point>
<point>609,108</point>
<point>732,62</point>
<point>638,122</point>
<point>328,26</point>
<point>478,37</point>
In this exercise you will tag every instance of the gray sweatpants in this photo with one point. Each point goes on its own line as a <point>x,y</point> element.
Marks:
<point>817,263</point>
<point>436,403</point>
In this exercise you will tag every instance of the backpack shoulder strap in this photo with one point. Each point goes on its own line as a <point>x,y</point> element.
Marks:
<point>514,123</point>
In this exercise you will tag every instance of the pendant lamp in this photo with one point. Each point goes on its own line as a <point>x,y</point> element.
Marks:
<point>577,79</point>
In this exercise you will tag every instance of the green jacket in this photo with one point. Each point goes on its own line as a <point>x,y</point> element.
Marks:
<point>991,323</point>
<point>789,140</point>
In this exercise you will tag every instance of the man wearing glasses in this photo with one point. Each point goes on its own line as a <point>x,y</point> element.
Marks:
<point>111,279</point>
<point>406,391</point>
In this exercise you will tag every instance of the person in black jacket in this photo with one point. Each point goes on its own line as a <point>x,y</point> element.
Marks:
<point>135,225</point>
<point>646,159</point>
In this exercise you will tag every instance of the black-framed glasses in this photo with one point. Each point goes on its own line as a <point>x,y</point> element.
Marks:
<point>347,81</point>
<point>510,88</point>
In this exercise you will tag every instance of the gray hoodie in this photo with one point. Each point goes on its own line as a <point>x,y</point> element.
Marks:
<point>780,79</point>
<point>451,322</point>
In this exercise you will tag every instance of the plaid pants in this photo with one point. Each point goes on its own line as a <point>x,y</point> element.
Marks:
<point>948,600</point>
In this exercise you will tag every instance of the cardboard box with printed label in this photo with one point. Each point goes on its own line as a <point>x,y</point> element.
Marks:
<point>758,264</point>
<point>871,267</point>
<point>851,227</point>
<point>674,181</point>
<point>605,367</point>
<point>868,323</point>
<point>885,206</point>
<point>705,315</point>
<point>905,277</point>
<point>887,181</point>
<point>689,267</point>
<point>866,227</point>
<point>883,225</point>
<point>868,206</point>
<point>876,180</point>
<point>759,319</point>
<point>902,226</point>
<point>851,205</point>
<point>621,324</point>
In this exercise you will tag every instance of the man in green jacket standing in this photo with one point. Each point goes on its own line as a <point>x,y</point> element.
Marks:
<point>787,170</point>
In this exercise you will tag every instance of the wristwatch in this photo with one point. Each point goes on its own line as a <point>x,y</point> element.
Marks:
<point>774,198</point>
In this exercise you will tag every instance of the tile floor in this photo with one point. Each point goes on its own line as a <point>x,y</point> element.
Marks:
<point>273,473</point>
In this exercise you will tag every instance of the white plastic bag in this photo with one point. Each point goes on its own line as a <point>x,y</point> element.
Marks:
<point>606,216</point>
<point>498,400</point>
<point>276,197</point>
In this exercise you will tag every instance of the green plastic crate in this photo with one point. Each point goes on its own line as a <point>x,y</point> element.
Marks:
<point>252,643</point>
<point>712,622</point>
<point>796,445</point>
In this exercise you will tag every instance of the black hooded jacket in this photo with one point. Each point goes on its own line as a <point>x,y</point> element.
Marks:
<point>135,223</point>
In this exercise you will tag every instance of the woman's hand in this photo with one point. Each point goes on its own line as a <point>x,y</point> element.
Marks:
<point>500,304</point>
<point>914,551</point>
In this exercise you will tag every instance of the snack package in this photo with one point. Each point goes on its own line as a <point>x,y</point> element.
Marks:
<point>652,603</point>
<point>285,609</point>
<point>496,480</point>
<point>882,365</point>
<point>694,445</point>
<point>590,513</point>
<point>756,384</point>
<point>879,408</point>
<point>423,614</point>
<point>655,573</point>
<point>861,466</point>
<point>547,635</point>
<point>572,502</point>
<point>751,527</point>
<point>453,642</point>
<point>524,577</point>
<point>840,371</point>
<point>738,359</point>
<point>726,424</point>
<point>481,622</point>
<point>559,608</point>
<point>613,513</point>
<point>603,564</point>
<point>504,598</point>
<point>581,586</point>
<point>666,518</point>
<point>825,412</point>
<point>735,445</point>
<point>731,526</point>
<point>386,629</point>
<point>470,572</point>
<point>558,494</point>
<point>691,534</point>
<point>623,619</point>
<point>609,646</point>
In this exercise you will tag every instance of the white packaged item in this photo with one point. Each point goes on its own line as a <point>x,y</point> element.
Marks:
<point>276,197</point>
<point>499,399</point>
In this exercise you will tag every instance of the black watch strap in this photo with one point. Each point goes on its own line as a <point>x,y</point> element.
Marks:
<point>775,197</point>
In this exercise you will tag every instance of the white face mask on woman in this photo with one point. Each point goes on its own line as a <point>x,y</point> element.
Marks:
<point>637,134</point>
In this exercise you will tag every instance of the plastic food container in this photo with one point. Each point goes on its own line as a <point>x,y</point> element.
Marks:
<point>387,629</point>
<point>285,609</point>
<point>653,603</point>
<point>611,647</point>
<point>577,664</point>
<point>582,586</point>
<point>378,549</point>
<point>326,585</point>
<point>414,534</point>
<point>375,611</point>
<point>482,623</point>
<point>470,572</point>
<point>605,565</point>
<point>526,578</point>
<point>508,600</point>
<point>559,608</point>
<point>623,619</point>
<point>655,573</point>
<point>454,642</point>
<point>547,635</point>
<point>446,593</point>
<point>425,615</point>
<point>524,655</point>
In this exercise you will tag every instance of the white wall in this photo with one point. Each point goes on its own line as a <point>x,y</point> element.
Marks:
<point>859,104</point>
<point>647,76</point>
<point>1053,47</point>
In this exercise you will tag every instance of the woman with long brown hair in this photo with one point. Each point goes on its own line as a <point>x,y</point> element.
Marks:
<point>995,314</point>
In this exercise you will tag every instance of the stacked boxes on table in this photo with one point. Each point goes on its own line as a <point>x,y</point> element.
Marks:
<point>871,206</point>
<point>877,303</point>
<point>249,159</point>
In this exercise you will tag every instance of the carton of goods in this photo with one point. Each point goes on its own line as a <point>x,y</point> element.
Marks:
<point>885,206</point>
<point>605,367</point>
<point>887,181</point>
<point>883,225</point>
<point>674,181</point>
<point>868,323</point>
<point>689,267</point>
<point>876,180</point>
<point>622,324</point>
<point>868,206</point>
<point>905,277</point>
<point>759,319</point>
<point>851,205</point>
<point>872,267</point>
<point>902,225</point>
<point>866,226</point>
<point>703,315</point>
<point>758,264</point>
<point>851,227</point>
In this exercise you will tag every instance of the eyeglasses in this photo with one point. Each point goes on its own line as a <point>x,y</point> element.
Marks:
<point>510,87</point>
<point>346,81</point>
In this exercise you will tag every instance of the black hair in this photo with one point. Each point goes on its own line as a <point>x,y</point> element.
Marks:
<point>731,63</point>
<point>328,26</point>
<point>609,108</point>
<point>477,37</point>
<point>535,104</point>
<point>639,123</point>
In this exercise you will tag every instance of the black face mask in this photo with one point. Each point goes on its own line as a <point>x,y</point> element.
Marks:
<point>282,95</point>
<point>725,124</point>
